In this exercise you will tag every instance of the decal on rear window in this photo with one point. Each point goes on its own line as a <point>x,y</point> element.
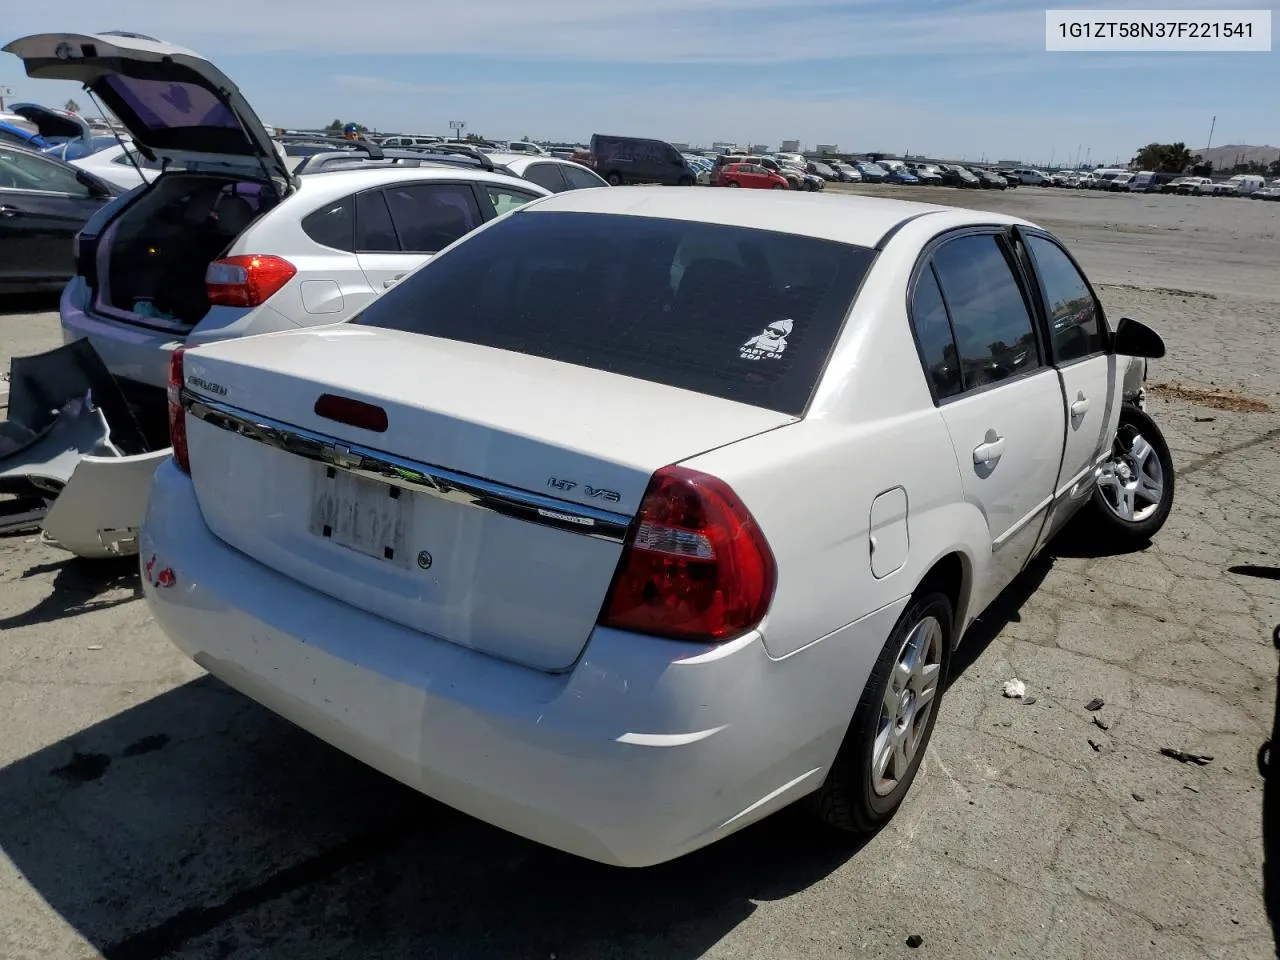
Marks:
<point>770,344</point>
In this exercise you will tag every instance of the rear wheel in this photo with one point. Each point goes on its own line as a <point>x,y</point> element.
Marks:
<point>779,186</point>
<point>733,183</point>
<point>891,727</point>
<point>1134,492</point>
<point>615,179</point>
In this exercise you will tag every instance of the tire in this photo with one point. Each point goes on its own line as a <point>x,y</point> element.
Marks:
<point>733,183</point>
<point>615,179</point>
<point>1127,509</point>
<point>684,182</point>
<point>778,186</point>
<point>853,799</point>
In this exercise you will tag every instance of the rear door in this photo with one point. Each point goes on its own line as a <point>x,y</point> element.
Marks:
<point>399,227</point>
<point>42,208</point>
<point>1077,340</point>
<point>1001,402</point>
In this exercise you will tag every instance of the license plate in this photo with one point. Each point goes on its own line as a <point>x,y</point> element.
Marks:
<point>367,516</point>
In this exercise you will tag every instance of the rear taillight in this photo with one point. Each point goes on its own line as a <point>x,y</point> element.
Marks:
<point>246,281</point>
<point>695,565</point>
<point>177,416</point>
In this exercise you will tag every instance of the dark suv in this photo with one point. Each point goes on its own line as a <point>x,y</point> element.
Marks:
<point>637,160</point>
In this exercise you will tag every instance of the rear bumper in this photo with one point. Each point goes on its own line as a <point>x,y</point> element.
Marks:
<point>134,353</point>
<point>646,750</point>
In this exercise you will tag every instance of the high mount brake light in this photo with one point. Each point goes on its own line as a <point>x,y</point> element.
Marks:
<point>695,565</point>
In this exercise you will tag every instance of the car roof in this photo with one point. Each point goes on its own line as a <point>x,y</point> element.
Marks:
<point>507,159</point>
<point>847,218</point>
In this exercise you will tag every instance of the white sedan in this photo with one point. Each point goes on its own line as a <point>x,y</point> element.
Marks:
<point>636,515</point>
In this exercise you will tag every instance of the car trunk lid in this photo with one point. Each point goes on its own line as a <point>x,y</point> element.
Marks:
<point>487,509</point>
<point>176,105</point>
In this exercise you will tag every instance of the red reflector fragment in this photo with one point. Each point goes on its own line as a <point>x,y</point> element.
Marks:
<point>166,578</point>
<point>352,412</point>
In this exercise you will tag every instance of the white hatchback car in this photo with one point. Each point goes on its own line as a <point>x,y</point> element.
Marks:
<point>550,173</point>
<point>639,514</point>
<point>230,242</point>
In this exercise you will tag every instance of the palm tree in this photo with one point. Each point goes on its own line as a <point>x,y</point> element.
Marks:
<point>71,106</point>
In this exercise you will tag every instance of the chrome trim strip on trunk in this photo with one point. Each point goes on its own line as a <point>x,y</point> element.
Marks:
<point>411,475</point>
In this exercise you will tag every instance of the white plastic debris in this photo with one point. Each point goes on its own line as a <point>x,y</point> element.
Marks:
<point>1015,689</point>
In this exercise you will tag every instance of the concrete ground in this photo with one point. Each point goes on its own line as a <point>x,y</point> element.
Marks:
<point>147,811</point>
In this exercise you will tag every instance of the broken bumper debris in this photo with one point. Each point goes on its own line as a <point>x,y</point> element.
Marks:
<point>73,458</point>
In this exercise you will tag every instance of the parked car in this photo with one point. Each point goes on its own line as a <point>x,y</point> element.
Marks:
<point>220,251</point>
<point>1268,193</point>
<point>1192,185</point>
<point>1102,177</point>
<point>79,149</point>
<point>751,175</point>
<point>954,175</point>
<point>871,172</point>
<point>927,173</point>
<point>712,642</point>
<point>808,181</point>
<point>820,169</point>
<point>796,178</point>
<point>1241,185</point>
<point>550,173</point>
<point>121,165</point>
<point>407,141</point>
<point>845,171</point>
<point>44,202</point>
<point>1032,176</point>
<point>524,146</point>
<point>21,132</point>
<point>1119,183</point>
<point>622,160</point>
<point>989,179</point>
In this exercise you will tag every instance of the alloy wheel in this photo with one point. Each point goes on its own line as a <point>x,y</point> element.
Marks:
<point>907,705</point>
<point>1132,481</point>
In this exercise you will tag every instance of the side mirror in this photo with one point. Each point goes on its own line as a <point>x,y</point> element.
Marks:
<point>1134,339</point>
<point>95,186</point>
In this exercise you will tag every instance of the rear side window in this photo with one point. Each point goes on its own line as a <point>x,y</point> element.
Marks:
<point>333,225</point>
<point>743,314</point>
<point>989,314</point>
<point>547,176</point>
<point>374,232</point>
<point>580,178</point>
<point>933,334</point>
<point>430,216</point>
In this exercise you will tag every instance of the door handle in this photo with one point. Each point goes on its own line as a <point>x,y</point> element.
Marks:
<point>10,212</point>
<point>986,452</point>
<point>392,281</point>
<point>1080,407</point>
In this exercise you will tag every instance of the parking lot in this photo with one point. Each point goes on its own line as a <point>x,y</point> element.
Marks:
<point>147,811</point>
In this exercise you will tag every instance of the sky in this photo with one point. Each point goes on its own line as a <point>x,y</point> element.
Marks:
<point>949,80</point>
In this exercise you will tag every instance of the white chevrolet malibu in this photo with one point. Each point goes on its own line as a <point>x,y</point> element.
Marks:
<point>636,515</point>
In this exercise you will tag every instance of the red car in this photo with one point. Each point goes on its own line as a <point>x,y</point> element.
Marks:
<point>750,175</point>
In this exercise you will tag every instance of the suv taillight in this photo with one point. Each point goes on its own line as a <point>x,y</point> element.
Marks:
<point>177,415</point>
<point>246,281</point>
<point>695,565</point>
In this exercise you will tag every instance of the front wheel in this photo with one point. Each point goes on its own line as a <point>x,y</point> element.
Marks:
<point>615,179</point>
<point>779,186</point>
<point>891,727</point>
<point>1134,492</point>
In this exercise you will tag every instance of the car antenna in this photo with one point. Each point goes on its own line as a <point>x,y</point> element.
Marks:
<point>115,133</point>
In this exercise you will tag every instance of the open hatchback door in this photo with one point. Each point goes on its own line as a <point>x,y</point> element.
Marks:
<point>178,107</point>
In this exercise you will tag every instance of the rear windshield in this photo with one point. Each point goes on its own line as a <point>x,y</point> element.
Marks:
<point>743,314</point>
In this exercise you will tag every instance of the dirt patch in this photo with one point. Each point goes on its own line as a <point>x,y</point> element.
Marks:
<point>1167,291</point>
<point>1214,399</point>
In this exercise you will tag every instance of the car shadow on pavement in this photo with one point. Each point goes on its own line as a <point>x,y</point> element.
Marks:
<point>198,823</point>
<point>78,587</point>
